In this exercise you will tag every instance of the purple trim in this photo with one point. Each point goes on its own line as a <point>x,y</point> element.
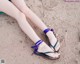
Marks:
<point>35,47</point>
<point>46,30</point>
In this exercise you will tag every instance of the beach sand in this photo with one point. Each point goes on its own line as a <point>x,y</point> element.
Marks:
<point>64,17</point>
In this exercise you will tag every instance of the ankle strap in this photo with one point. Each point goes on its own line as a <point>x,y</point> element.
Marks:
<point>38,42</point>
<point>47,30</point>
<point>35,47</point>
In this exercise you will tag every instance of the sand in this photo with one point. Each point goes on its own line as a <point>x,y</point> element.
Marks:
<point>64,17</point>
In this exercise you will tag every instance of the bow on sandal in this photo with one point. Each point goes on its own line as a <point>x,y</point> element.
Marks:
<point>44,54</point>
<point>56,46</point>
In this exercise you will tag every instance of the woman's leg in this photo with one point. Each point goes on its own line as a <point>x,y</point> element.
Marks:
<point>11,10</point>
<point>35,19</point>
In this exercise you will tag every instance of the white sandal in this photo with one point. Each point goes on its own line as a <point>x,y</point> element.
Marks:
<point>44,54</point>
<point>55,47</point>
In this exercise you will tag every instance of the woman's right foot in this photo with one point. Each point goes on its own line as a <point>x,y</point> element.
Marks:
<point>53,41</point>
<point>44,50</point>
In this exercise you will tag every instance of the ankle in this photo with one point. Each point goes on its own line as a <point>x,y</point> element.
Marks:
<point>44,47</point>
<point>40,43</point>
<point>50,35</point>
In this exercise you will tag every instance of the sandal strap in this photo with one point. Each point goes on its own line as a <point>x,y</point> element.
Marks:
<point>35,47</point>
<point>48,52</point>
<point>54,45</point>
<point>52,30</point>
<point>44,53</point>
<point>47,30</point>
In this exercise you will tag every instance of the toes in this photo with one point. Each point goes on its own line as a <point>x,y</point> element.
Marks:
<point>54,55</point>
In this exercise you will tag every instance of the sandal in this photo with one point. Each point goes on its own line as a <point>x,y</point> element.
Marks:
<point>54,47</point>
<point>44,54</point>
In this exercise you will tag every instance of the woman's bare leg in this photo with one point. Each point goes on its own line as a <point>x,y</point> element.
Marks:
<point>36,20</point>
<point>11,10</point>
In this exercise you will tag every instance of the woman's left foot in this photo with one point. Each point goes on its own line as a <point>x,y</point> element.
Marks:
<point>54,43</point>
<point>42,49</point>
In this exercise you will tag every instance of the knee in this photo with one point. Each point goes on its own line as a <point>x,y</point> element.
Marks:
<point>20,15</point>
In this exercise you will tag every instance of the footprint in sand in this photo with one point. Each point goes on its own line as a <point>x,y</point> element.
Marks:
<point>49,4</point>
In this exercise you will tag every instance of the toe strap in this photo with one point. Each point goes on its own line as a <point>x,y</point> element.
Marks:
<point>54,45</point>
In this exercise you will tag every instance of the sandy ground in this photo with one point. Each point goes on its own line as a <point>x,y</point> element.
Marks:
<point>64,17</point>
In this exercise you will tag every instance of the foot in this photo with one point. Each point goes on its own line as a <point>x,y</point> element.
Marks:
<point>54,43</point>
<point>42,49</point>
<point>45,48</point>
